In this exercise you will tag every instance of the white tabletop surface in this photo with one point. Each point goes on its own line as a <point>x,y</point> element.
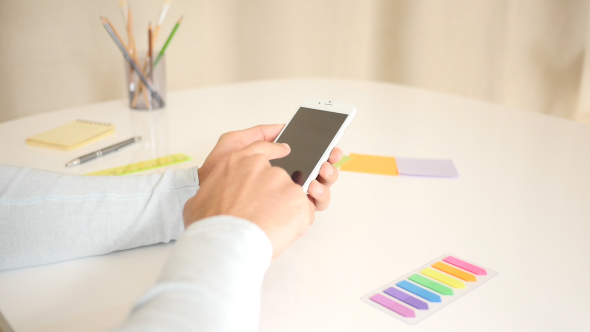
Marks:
<point>521,206</point>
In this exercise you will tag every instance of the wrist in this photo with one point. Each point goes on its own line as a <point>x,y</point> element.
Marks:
<point>200,175</point>
<point>190,215</point>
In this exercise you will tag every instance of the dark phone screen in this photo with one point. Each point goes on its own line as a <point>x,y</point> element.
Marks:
<point>309,134</point>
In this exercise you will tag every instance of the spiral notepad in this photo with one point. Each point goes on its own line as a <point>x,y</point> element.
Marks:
<point>73,135</point>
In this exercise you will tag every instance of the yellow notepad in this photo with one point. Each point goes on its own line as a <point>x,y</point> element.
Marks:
<point>73,135</point>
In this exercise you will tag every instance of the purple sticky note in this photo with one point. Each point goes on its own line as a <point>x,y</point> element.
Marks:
<point>392,305</point>
<point>426,167</point>
<point>409,299</point>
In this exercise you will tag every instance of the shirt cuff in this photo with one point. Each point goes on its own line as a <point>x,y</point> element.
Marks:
<point>220,243</point>
<point>186,185</point>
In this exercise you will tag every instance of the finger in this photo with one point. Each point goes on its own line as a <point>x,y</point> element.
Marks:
<point>268,149</point>
<point>320,195</point>
<point>328,175</point>
<point>266,133</point>
<point>312,209</point>
<point>335,156</point>
<point>270,132</point>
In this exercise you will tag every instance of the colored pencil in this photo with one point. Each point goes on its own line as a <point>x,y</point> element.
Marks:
<point>163,12</point>
<point>130,37</point>
<point>121,44</point>
<point>163,50</point>
<point>124,7</point>
<point>150,51</point>
<point>130,42</point>
<point>117,37</point>
<point>133,51</point>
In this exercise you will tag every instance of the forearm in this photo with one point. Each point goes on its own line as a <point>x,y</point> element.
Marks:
<point>47,217</point>
<point>211,282</point>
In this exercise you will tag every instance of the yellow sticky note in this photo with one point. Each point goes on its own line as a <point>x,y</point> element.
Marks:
<point>363,163</point>
<point>443,278</point>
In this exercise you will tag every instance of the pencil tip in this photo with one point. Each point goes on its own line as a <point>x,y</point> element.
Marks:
<point>180,20</point>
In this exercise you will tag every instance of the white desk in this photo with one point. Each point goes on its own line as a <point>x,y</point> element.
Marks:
<point>521,206</point>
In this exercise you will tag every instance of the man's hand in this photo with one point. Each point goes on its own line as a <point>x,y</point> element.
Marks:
<point>319,190</point>
<point>245,185</point>
<point>234,141</point>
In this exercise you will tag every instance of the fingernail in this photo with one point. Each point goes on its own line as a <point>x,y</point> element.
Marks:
<point>330,169</point>
<point>319,189</point>
<point>286,145</point>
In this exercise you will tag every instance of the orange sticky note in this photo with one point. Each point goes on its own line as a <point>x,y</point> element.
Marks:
<point>363,163</point>
<point>454,271</point>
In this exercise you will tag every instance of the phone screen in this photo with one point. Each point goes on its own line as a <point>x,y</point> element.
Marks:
<point>309,134</point>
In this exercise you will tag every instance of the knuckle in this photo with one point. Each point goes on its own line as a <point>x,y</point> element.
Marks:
<point>233,158</point>
<point>326,194</point>
<point>259,144</point>
<point>335,174</point>
<point>227,135</point>
<point>331,177</point>
<point>276,172</point>
<point>279,176</point>
<point>255,163</point>
<point>260,159</point>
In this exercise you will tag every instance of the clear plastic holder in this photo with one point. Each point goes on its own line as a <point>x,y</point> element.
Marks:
<point>140,97</point>
<point>433,307</point>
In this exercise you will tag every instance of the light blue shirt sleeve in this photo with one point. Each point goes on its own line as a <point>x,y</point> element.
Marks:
<point>47,217</point>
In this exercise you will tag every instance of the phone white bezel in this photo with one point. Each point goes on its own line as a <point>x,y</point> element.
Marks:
<point>329,105</point>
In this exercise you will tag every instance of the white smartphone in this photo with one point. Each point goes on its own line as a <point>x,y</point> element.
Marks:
<point>312,133</point>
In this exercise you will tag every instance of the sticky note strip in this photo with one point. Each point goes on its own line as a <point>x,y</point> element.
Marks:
<point>427,289</point>
<point>342,161</point>
<point>454,271</point>
<point>407,298</point>
<point>435,286</point>
<point>465,266</point>
<point>426,167</point>
<point>363,163</point>
<point>423,293</point>
<point>445,279</point>
<point>392,305</point>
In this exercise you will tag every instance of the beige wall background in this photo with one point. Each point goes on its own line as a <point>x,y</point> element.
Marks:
<point>529,54</point>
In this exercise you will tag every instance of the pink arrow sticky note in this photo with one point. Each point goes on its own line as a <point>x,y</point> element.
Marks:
<point>465,266</point>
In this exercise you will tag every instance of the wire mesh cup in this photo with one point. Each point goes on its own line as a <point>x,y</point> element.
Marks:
<point>152,96</point>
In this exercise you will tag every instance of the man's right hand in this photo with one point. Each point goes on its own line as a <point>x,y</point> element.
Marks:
<point>245,185</point>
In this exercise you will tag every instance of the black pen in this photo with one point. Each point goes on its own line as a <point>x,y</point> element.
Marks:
<point>101,152</point>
